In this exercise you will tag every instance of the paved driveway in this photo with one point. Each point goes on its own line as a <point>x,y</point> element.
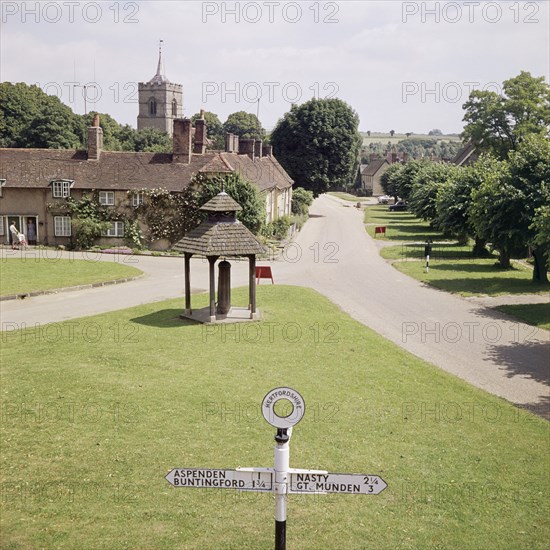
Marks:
<point>334,255</point>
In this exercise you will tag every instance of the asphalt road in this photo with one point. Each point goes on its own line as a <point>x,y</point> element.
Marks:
<point>334,255</point>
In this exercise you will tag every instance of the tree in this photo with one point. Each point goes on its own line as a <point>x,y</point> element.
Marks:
<point>530,176</point>
<point>392,132</point>
<point>389,180</point>
<point>541,225</point>
<point>301,201</point>
<point>318,144</point>
<point>152,140</point>
<point>509,205</point>
<point>453,203</point>
<point>404,178</point>
<point>31,118</point>
<point>435,132</point>
<point>245,125</point>
<point>498,123</point>
<point>494,204</point>
<point>368,133</point>
<point>426,184</point>
<point>253,211</point>
<point>214,129</point>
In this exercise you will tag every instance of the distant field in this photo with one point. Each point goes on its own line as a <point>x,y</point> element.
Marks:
<point>384,138</point>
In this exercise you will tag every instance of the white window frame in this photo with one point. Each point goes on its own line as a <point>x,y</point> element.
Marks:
<point>64,227</point>
<point>137,199</point>
<point>61,189</point>
<point>116,230</point>
<point>1,225</point>
<point>107,198</point>
<point>2,182</point>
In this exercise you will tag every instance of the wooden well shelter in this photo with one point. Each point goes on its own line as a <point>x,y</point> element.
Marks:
<point>221,235</point>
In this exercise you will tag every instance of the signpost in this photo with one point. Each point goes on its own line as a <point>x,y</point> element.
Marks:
<point>281,479</point>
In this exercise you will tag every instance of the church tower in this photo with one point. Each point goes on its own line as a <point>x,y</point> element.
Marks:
<point>160,101</point>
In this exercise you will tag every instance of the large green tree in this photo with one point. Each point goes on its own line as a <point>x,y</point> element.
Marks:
<point>507,204</point>
<point>31,118</point>
<point>253,213</point>
<point>245,125</point>
<point>390,179</point>
<point>426,185</point>
<point>498,123</point>
<point>453,203</point>
<point>318,144</point>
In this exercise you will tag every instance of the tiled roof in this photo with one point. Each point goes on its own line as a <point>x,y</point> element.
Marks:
<point>220,239</point>
<point>265,172</point>
<point>114,169</point>
<point>373,167</point>
<point>36,168</point>
<point>464,154</point>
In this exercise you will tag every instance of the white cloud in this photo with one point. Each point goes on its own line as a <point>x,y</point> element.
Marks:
<point>368,54</point>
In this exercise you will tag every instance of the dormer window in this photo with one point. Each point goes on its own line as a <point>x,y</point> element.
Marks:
<point>153,107</point>
<point>61,189</point>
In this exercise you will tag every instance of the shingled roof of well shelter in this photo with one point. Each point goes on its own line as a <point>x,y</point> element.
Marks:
<point>222,202</point>
<point>220,239</point>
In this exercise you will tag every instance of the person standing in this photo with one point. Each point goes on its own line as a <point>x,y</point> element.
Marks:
<point>14,236</point>
<point>31,232</point>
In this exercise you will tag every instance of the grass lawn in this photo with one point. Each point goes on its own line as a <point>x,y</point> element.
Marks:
<point>475,276</point>
<point>400,226</point>
<point>347,196</point>
<point>95,414</point>
<point>21,275</point>
<point>537,315</point>
<point>440,251</point>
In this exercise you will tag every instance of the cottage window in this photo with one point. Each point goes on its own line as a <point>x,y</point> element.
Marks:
<point>1,225</point>
<point>153,106</point>
<point>137,199</point>
<point>62,226</point>
<point>116,230</point>
<point>2,182</point>
<point>61,189</point>
<point>107,198</point>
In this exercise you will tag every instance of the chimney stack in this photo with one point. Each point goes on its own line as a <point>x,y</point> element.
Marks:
<point>247,147</point>
<point>258,149</point>
<point>181,141</point>
<point>95,139</point>
<point>200,135</point>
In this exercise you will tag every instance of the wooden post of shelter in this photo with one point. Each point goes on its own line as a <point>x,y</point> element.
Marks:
<point>187,272</point>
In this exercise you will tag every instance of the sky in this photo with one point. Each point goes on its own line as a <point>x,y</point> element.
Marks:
<point>406,66</point>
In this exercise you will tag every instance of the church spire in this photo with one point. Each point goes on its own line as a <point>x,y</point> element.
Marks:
<point>160,77</point>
